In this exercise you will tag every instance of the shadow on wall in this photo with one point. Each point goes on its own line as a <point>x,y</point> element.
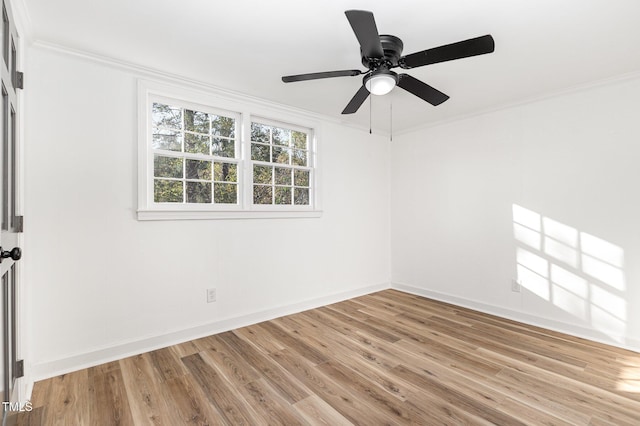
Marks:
<point>578,273</point>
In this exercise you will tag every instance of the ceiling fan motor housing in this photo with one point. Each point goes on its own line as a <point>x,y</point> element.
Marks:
<point>392,47</point>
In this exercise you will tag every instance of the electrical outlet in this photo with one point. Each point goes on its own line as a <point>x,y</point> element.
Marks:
<point>515,285</point>
<point>211,295</point>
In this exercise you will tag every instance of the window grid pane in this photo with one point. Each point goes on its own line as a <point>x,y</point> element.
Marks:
<point>198,192</point>
<point>225,172</point>
<point>262,194</point>
<point>225,193</point>
<point>168,191</point>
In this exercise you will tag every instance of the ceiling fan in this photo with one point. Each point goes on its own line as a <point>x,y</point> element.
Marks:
<point>381,53</point>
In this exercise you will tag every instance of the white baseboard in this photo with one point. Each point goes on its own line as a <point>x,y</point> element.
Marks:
<point>561,327</point>
<point>99,356</point>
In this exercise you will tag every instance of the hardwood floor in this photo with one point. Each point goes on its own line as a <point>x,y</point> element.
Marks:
<point>385,358</point>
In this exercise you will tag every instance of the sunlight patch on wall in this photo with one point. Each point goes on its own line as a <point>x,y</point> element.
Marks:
<point>576,271</point>
<point>533,282</point>
<point>526,217</point>
<point>570,281</point>
<point>608,301</point>
<point>570,291</point>
<point>533,272</point>
<point>605,272</point>
<point>533,262</point>
<point>560,232</point>
<point>527,236</point>
<point>561,252</point>
<point>602,249</point>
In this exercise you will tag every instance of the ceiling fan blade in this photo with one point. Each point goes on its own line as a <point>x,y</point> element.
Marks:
<point>364,26</point>
<point>421,90</point>
<point>462,49</point>
<point>359,98</point>
<point>317,75</point>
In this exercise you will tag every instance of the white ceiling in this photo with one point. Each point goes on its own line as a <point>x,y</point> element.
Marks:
<point>542,47</point>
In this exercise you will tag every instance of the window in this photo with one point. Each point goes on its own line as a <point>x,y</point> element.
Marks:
<point>214,158</point>
<point>281,172</point>
<point>194,155</point>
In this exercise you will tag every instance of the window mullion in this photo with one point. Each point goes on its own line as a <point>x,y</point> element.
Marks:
<point>245,185</point>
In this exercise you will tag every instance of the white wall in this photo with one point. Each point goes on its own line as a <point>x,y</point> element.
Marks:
<point>571,162</point>
<point>103,284</point>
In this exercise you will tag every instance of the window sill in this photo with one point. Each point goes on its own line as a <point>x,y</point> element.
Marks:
<point>228,214</point>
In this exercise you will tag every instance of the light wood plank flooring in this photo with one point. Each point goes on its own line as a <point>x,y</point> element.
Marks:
<point>387,358</point>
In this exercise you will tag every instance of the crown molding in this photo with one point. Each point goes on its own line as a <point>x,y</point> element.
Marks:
<point>142,71</point>
<point>609,81</point>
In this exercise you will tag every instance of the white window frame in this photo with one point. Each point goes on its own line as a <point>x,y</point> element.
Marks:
<point>244,110</point>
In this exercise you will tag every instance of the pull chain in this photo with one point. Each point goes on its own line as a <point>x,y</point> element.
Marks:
<point>391,121</point>
<point>370,101</point>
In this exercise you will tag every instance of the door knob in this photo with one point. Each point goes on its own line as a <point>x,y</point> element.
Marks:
<point>15,253</point>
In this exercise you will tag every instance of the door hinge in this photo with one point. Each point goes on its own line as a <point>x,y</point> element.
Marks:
<point>18,224</point>
<point>19,80</point>
<point>19,368</point>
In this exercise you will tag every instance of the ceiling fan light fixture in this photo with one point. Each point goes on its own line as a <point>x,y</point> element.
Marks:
<point>381,82</point>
